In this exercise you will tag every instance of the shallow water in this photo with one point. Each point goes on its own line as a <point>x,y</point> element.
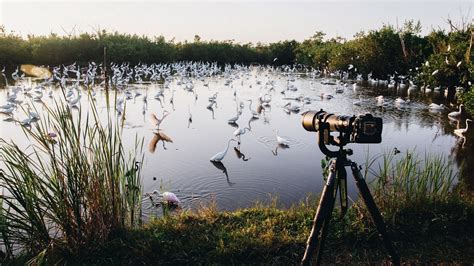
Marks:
<point>258,168</point>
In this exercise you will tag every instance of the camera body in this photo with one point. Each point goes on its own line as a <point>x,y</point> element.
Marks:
<point>357,129</point>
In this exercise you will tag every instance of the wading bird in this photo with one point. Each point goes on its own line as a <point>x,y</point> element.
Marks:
<point>167,197</point>
<point>234,119</point>
<point>458,114</point>
<point>280,140</point>
<point>461,132</point>
<point>239,132</point>
<point>220,155</point>
<point>435,106</point>
<point>359,102</point>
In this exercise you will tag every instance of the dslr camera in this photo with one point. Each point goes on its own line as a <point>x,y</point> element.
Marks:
<point>356,129</point>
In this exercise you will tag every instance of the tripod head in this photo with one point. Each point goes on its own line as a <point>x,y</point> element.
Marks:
<point>325,138</point>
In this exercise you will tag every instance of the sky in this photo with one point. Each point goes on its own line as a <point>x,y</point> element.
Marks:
<point>242,21</point>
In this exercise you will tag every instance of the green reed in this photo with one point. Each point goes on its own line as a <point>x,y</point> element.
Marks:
<point>71,191</point>
<point>410,179</point>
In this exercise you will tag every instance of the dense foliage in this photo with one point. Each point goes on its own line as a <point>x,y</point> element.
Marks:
<point>382,52</point>
<point>442,58</point>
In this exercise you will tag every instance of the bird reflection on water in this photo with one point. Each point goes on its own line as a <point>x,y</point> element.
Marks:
<point>220,166</point>
<point>240,155</point>
<point>158,136</point>
<point>280,146</point>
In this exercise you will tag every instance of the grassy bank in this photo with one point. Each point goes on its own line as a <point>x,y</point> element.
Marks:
<point>436,232</point>
<point>428,221</point>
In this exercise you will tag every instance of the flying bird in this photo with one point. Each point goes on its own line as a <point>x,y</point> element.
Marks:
<point>155,121</point>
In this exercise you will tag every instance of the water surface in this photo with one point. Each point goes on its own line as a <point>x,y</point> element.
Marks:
<point>258,168</point>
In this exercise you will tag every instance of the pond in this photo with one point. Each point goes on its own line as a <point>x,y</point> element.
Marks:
<point>258,168</point>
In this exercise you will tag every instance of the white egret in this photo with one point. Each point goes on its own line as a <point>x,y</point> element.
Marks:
<point>458,114</point>
<point>211,105</point>
<point>326,96</point>
<point>239,132</point>
<point>234,119</point>
<point>291,108</point>
<point>7,111</point>
<point>213,97</point>
<point>220,155</point>
<point>74,102</point>
<point>254,113</point>
<point>381,101</point>
<point>15,74</point>
<point>119,108</point>
<point>400,101</point>
<point>280,140</point>
<point>435,106</point>
<point>7,106</point>
<point>359,102</point>
<point>463,131</point>
<point>26,122</point>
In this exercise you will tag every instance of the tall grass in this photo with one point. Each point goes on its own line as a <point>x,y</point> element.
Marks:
<point>410,179</point>
<point>71,191</point>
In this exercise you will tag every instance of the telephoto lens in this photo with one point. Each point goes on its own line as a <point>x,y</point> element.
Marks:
<point>309,120</point>
<point>359,129</point>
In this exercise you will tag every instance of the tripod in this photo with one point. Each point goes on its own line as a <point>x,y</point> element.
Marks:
<point>337,181</point>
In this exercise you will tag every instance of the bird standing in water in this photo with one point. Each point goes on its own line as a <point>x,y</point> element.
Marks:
<point>220,155</point>
<point>458,114</point>
<point>463,131</point>
<point>239,132</point>
<point>281,141</point>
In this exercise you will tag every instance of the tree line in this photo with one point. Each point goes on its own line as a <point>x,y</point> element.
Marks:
<point>378,53</point>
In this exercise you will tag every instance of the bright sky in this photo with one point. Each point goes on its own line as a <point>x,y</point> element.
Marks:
<point>242,21</point>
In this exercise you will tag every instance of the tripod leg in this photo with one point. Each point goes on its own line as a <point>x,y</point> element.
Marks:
<point>326,204</point>
<point>325,228</point>
<point>342,184</point>
<point>374,213</point>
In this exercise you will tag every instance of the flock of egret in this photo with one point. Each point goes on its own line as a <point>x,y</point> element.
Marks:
<point>76,80</point>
